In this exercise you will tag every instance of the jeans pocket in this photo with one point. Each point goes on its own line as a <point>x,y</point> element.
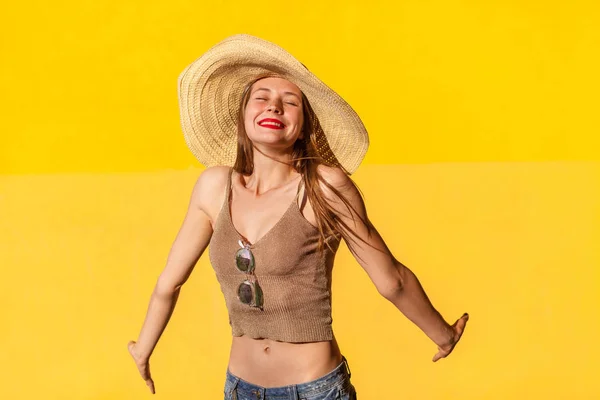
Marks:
<point>332,394</point>
<point>230,394</point>
<point>349,392</point>
<point>342,392</point>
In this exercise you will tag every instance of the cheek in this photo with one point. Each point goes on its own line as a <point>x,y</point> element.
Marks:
<point>300,121</point>
<point>296,118</point>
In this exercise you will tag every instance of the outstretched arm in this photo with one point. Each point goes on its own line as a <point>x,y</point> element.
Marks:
<point>393,280</point>
<point>191,241</point>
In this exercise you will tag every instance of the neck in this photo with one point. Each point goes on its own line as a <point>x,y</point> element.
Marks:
<point>269,174</point>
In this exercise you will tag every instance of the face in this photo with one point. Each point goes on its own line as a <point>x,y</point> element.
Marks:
<point>273,114</point>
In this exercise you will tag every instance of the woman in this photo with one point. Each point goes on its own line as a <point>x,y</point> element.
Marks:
<point>274,222</point>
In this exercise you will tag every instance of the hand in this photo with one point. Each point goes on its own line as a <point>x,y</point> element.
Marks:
<point>143,365</point>
<point>456,331</point>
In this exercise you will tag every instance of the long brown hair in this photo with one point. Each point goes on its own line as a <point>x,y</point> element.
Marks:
<point>305,160</point>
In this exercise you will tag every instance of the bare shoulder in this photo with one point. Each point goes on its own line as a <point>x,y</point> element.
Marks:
<point>336,178</point>
<point>352,203</point>
<point>214,177</point>
<point>209,191</point>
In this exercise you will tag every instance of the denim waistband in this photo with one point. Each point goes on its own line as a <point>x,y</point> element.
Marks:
<point>338,377</point>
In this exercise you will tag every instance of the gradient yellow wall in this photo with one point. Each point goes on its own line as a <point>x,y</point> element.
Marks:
<point>483,176</point>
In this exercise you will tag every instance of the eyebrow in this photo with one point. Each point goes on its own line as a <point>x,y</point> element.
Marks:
<point>269,90</point>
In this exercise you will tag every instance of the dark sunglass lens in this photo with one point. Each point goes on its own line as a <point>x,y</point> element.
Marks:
<point>244,260</point>
<point>245,292</point>
<point>259,295</point>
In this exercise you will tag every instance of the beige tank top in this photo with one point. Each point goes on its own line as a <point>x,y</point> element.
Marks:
<point>294,276</point>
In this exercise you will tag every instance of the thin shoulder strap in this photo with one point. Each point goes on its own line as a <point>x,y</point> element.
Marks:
<point>225,204</point>
<point>300,190</point>
<point>229,184</point>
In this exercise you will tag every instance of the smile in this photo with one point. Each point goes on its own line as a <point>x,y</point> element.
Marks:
<point>271,123</point>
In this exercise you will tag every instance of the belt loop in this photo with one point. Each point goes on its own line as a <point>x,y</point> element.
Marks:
<point>233,391</point>
<point>294,393</point>
<point>347,366</point>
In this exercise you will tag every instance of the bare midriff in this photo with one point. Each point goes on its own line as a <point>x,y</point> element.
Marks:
<point>270,363</point>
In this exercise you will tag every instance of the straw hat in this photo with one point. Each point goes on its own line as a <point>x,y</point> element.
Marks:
<point>211,89</point>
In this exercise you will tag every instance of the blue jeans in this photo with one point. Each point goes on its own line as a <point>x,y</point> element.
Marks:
<point>333,386</point>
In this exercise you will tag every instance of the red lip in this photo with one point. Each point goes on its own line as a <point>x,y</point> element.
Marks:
<point>269,121</point>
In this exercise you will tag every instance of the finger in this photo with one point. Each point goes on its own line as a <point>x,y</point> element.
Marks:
<point>440,354</point>
<point>148,379</point>
<point>461,323</point>
<point>130,347</point>
<point>145,372</point>
<point>150,384</point>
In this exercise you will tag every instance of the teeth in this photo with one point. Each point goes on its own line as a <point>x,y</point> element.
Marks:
<point>272,124</point>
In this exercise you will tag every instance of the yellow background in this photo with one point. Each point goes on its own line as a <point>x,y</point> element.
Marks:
<point>483,176</point>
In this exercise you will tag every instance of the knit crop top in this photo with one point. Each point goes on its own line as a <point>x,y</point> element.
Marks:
<point>294,276</point>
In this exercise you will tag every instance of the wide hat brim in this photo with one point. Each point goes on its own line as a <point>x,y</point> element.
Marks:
<point>211,89</point>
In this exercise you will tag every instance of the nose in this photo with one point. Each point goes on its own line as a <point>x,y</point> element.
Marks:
<point>274,107</point>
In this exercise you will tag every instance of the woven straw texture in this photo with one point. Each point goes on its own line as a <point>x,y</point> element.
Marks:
<point>211,89</point>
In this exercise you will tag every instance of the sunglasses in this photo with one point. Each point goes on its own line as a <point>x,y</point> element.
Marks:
<point>249,292</point>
